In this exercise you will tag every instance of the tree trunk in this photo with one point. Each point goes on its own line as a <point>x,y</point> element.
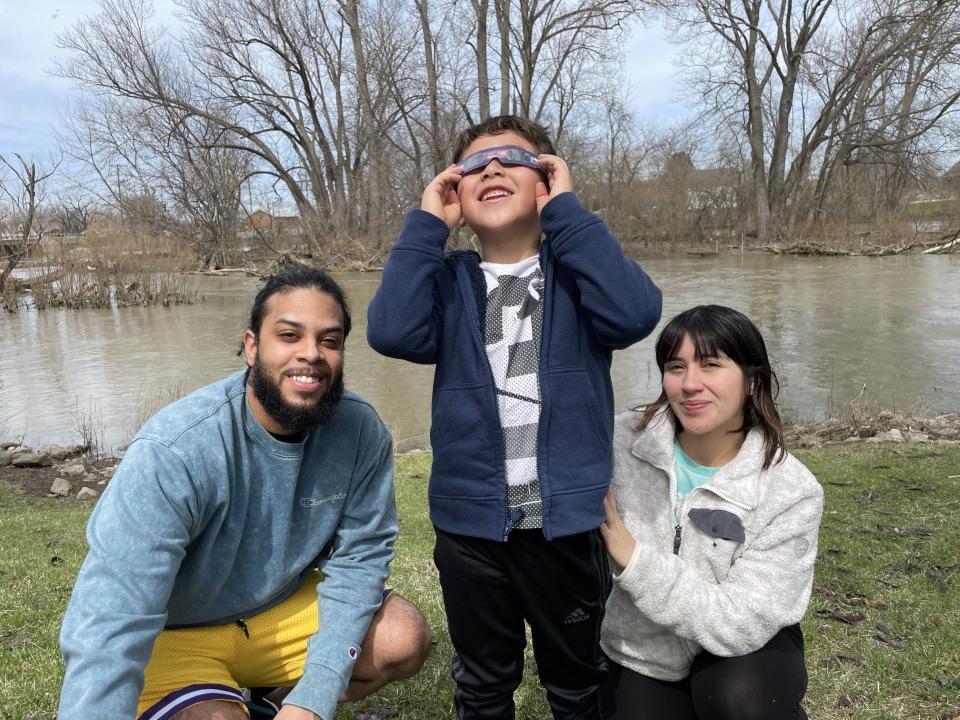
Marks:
<point>370,131</point>
<point>481,10</point>
<point>429,60</point>
<point>502,9</point>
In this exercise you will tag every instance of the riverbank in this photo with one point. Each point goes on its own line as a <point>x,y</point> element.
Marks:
<point>75,473</point>
<point>882,630</point>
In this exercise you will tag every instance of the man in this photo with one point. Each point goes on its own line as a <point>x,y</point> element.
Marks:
<point>245,539</point>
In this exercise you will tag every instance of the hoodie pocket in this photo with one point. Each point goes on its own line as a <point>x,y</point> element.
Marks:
<point>578,444</point>
<point>467,443</point>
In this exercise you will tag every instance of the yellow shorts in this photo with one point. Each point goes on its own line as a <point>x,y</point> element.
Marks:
<point>193,665</point>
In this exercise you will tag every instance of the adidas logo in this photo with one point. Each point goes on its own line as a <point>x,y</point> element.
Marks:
<point>576,616</point>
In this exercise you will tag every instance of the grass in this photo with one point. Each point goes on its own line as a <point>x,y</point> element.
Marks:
<point>940,209</point>
<point>887,565</point>
<point>888,552</point>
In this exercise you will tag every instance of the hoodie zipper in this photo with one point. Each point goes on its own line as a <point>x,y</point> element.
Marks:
<point>542,260</point>
<point>467,290</point>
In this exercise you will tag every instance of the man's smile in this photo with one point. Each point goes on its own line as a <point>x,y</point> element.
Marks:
<point>306,380</point>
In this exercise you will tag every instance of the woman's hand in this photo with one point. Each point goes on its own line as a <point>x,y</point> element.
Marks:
<point>620,543</point>
<point>440,196</point>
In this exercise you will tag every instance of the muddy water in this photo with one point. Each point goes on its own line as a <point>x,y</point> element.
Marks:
<point>884,329</point>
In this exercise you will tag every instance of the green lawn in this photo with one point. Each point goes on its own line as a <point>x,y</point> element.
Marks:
<point>932,209</point>
<point>888,563</point>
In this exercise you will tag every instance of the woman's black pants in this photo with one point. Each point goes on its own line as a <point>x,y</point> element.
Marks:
<point>559,587</point>
<point>765,685</point>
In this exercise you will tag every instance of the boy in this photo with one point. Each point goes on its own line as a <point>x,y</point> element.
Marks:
<point>522,407</point>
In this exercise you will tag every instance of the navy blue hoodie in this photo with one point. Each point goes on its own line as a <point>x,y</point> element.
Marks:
<point>430,308</point>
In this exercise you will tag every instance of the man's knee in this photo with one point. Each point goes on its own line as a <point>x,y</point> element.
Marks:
<point>398,639</point>
<point>213,710</point>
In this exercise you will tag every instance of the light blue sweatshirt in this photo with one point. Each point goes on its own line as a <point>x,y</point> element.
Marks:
<point>208,519</point>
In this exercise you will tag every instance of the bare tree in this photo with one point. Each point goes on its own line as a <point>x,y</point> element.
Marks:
<point>752,61</point>
<point>74,209</point>
<point>349,106</point>
<point>885,131</point>
<point>540,43</point>
<point>21,188</point>
<point>281,66</point>
<point>153,165</point>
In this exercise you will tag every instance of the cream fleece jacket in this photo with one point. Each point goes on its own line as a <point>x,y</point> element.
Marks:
<point>745,563</point>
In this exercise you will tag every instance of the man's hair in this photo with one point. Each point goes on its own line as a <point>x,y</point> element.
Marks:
<point>312,278</point>
<point>715,329</point>
<point>536,133</point>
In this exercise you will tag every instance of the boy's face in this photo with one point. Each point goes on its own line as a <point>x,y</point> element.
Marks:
<point>499,198</point>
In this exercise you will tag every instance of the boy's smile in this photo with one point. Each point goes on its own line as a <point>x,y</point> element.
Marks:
<point>499,202</point>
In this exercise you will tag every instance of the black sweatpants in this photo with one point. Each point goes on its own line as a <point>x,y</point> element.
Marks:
<point>559,587</point>
<point>764,685</point>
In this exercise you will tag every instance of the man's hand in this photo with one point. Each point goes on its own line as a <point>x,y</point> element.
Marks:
<point>295,712</point>
<point>440,196</point>
<point>620,543</point>
<point>558,175</point>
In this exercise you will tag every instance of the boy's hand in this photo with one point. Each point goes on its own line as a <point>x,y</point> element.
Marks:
<point>558,175</point>
<point>620,543</point>
<point>440,196</point>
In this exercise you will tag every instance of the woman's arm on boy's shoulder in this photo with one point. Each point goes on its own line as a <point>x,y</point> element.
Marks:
<point>620,297</point>
<point>403,319</point>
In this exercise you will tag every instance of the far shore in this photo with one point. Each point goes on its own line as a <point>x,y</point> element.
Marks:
<point>79,472</point>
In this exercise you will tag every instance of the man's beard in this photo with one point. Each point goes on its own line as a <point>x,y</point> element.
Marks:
<point>293,418</point>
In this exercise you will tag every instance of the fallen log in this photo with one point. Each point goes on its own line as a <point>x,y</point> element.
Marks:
<point>946,247</point>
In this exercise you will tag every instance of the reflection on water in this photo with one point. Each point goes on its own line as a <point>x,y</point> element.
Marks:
<point>833,326</point>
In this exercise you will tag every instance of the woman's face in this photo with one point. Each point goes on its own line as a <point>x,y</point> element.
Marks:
<point>706,395</point>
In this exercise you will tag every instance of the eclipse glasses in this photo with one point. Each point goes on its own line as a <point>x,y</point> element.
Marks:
<point>504,154</point>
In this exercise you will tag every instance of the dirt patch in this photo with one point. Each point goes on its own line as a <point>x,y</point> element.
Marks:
<point>883,426</point>
<point>37,481</point>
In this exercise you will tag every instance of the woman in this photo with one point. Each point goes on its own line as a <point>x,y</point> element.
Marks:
<point>712,529</point>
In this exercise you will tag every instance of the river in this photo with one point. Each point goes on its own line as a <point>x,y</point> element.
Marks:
<point>885,331</point>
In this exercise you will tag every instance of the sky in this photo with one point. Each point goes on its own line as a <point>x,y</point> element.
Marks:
<point>32,99</point>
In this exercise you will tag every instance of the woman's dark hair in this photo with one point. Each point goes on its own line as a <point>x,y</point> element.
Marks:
<point>714,329</point>
<point>536,133</point>
<point>288,280</point>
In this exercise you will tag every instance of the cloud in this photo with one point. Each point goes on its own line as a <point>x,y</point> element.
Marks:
<point>31,97</point>
<point>651,73</point>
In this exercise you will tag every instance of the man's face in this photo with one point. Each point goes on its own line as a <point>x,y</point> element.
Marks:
<point>296,363</point>
<point>500,198</point>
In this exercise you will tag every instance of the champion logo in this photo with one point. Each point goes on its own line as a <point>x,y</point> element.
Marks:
<point>353,652</point>
<point>313,502</point>
<point>576,616</point>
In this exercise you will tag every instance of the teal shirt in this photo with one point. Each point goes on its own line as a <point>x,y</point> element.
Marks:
<point>209,519</point>
<point>690,475</point>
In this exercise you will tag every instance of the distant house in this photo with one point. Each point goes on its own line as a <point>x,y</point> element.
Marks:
<point>713,188</point>
<point>12,240</point>
<point>264,222</point>
<point>705,189</point>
